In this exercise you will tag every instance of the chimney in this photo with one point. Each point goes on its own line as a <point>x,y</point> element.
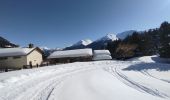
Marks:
<point>31,45</point>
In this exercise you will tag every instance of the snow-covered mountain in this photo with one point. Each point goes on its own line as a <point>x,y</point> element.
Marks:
<point>123,35</point>
<point>108,37</point>
<point>83,42</point>
<point>98,44</point>
<point>80,44</point>
<point>102,42</point>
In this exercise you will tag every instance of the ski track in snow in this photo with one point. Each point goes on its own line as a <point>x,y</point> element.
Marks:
<point>40,88</point>
<point>148,74</point>
<point>136,85</point>
<point>117,72</point>
<point>40,85</point>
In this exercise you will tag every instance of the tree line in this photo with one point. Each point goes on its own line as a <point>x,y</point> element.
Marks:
<point>146,43</point>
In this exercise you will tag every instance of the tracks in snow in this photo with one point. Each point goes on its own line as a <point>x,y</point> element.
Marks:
<point>41,86</point>
<point>117,72</point>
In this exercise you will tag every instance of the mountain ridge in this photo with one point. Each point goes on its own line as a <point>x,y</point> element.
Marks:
<point>4,43</point>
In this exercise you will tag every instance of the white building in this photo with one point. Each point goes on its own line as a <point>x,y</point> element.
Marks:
<point>101,55</point>
<point>17,58</point>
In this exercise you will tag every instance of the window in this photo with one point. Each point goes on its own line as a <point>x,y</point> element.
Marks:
<point>3,58</point>
<point>16,57</point>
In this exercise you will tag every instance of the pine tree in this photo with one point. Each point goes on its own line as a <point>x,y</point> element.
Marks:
<point>165,40</point>
<point>112,46</point>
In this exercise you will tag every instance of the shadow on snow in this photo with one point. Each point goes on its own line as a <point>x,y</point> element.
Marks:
<point>147,66</point>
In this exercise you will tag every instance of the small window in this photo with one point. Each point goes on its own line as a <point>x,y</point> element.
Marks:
<point>16,57</point>
<point>3,58</point>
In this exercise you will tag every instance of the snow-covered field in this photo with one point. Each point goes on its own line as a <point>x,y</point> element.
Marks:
<point>99,80</point>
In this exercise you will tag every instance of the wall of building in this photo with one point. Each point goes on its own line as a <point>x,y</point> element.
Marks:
<point>70,59</point>
<point>35,57</point>
<point>16,63</point>
<point>12,62</point>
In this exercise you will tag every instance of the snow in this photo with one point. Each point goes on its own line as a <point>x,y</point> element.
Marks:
<point>151,59</point>
<point>96,80</point>
<point>109,36</point>
<point>102,55</point>
<point>4,52</point>
<point>71,53</point>
<point>83,42</point>
<point>45,48</point>
<point>100,52</point>
<point>123,35</point>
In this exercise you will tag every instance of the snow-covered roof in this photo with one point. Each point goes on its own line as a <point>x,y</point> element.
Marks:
<point>102,57</point>
<point>71,53</point>
<point>101,52</point>
<point>5,52</point>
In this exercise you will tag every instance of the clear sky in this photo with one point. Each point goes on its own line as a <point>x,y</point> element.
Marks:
<point>59,23</point>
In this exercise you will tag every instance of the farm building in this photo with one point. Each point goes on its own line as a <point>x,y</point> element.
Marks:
<point>70,56</point>
<point>101,55</point>
<point>17,58</point>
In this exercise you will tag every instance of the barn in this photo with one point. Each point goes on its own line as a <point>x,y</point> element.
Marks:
<point>67,56</point>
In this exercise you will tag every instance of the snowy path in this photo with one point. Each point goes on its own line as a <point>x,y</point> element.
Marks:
<point>103,80</point>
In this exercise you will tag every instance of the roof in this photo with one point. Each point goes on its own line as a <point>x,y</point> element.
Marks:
<point>101,52</point>
<point>71,53</point>
<point>7,52</point>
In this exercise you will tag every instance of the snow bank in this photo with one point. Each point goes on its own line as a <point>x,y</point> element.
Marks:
<point>71,53</point>
<point>4,52</point>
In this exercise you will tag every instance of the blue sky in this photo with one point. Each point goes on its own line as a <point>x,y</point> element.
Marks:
<point>59,23</point>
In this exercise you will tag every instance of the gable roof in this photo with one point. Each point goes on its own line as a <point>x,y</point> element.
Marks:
<point>71,53</point>
<point>8,52</point>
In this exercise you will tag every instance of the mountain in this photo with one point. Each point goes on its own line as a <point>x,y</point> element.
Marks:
<point>108,37</point>
<point>4,43</point>
<point>102,42</point>
<point>47,51</point>
<point>80,44</point>
<point>99,43</point>
<point>123,35</point>
<point>83,42</point>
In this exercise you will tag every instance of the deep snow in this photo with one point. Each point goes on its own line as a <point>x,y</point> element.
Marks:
<point>99,80</point>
